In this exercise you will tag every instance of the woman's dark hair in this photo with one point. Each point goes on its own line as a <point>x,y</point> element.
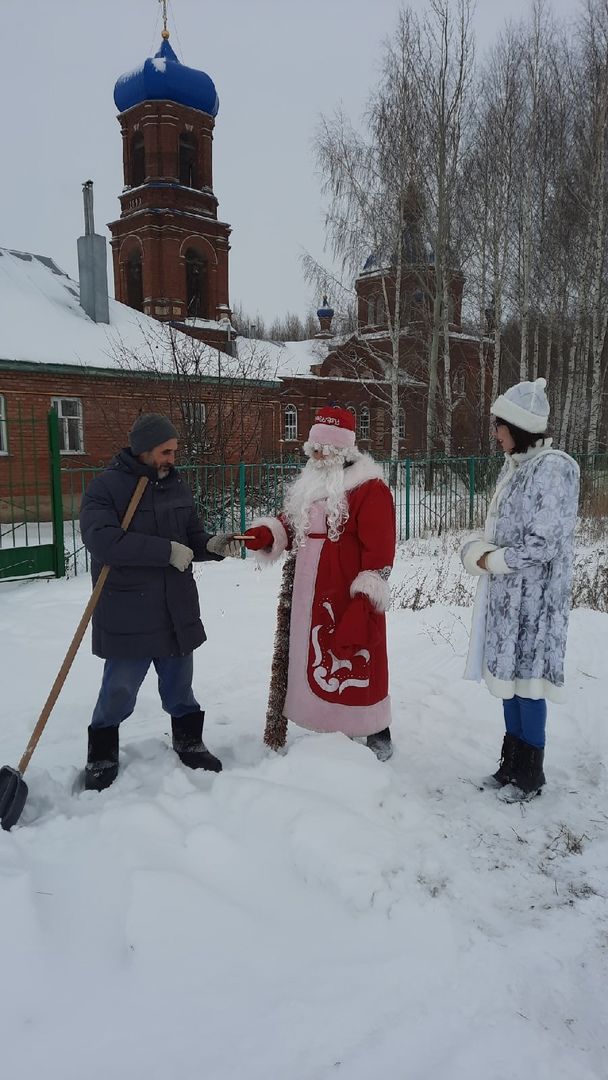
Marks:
<point>523,439</point>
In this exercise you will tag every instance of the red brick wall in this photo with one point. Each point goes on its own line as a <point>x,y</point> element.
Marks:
<point>244,426</point>
<point>165,220</point>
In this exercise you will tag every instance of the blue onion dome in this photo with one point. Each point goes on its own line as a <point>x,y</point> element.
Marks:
<point>325,312</point>
<point>164,78</point>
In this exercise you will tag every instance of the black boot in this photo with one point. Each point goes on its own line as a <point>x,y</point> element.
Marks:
<point>529,775</point>
<point>188,744</point>
<point>509,756</point>
<point>381,744</point>
<point>102,759</point>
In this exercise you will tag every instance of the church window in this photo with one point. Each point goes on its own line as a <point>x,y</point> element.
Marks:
<point>380,312</point>
<point>458,384</point>
<point>402,423</point>
<point>135,290</point>
<point>196,285</point>
<point>364,423</point>
<point>138,160</point>
<point>188,160</point>
<point>291,423</point>
<point>371,311</point>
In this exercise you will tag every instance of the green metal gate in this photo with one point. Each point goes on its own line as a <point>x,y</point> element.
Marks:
<point>31,514</point>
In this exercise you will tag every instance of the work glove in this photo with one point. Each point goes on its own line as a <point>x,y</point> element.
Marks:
<point>181,556</point>
<point>356,629</point>
<point>224,544</point>
<point>260,537</point>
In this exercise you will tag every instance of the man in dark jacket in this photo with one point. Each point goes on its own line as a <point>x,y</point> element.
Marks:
<point>148,611</point>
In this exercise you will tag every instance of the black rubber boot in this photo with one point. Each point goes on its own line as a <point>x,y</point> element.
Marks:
<point>529,776</point>
<point>381,744</point>
<point>102,759</point>
<point>509,756</point>
<point>188,743</point>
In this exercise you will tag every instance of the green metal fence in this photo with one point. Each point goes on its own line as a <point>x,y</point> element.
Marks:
<point>40,495</point>
<point>31,518</point>
<point>431,496</point>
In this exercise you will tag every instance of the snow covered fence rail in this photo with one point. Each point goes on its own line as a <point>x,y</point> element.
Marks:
<point>429,571</point>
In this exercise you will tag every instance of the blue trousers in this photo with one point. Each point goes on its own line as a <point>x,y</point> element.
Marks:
<point>526,719</point>
<point>121,682</point>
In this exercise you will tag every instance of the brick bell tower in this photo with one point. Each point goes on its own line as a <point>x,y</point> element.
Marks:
<point>170,251</point>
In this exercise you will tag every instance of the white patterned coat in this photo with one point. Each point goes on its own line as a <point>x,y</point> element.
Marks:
<point>522,606</point>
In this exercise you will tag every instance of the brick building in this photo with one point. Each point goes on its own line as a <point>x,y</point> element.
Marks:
<point>170,250</point>
<point>169,344</point>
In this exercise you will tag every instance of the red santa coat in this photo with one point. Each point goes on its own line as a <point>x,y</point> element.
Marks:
<point>338,665</point>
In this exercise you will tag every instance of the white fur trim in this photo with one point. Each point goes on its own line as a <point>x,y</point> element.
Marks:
<point>508,410</point>
<point>527,688</point>
<point>369,583</point>
<point>471,553</point>
<point>362,470</point>
<point>497,564</point>
<point>280,540</point>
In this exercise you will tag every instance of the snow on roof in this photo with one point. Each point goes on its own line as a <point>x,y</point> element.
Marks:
<point>42,322</point>
<point>285,359</point>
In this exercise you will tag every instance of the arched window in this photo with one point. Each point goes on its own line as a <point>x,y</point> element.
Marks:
<point>402,423</point>
<point>138,159</point>
<point>351,409</point>
<point>291,423</point>
<point>380,311</point>
<point>135,288</point>
<point>371,311</point>
<point>458,385</point>
<point>364,423</point>
<point>188,154</point>
<point>197,305</point>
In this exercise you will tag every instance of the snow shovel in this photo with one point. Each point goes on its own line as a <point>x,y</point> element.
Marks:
<point>13,788</point>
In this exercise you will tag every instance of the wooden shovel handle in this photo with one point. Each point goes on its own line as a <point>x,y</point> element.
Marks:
<point>78,636</point>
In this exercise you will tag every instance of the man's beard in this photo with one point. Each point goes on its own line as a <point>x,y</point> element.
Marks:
<point>319,480</point>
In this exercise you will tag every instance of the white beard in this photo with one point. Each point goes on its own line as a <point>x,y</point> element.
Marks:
<point>319,480</point>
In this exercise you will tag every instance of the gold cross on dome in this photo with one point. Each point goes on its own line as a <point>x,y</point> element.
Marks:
<point>163,4</point>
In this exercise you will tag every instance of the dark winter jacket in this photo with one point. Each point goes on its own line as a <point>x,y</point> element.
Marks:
<point>147,608</point>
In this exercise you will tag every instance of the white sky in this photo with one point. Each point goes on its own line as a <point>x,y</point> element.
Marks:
<point>277,64</point>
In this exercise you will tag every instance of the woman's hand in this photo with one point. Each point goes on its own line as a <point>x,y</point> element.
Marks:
<point>482,563</point>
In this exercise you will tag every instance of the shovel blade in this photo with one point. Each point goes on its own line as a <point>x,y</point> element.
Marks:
<point>13,793</point>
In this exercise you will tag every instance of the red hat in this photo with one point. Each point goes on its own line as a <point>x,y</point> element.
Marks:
<point>333,427</point>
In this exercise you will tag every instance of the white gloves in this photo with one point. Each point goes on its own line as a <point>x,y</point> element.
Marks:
<point>223,544</point>
<point>471,553</point>
<point>181,556</point>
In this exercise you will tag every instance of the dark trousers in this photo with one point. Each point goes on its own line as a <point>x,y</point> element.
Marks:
<point>526,719</point>
<point>123,678</point>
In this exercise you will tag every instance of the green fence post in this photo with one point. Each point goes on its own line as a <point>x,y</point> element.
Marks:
<point>242,505</point>
<point>408,477</point>
<point>471,491</point>
<point>56,499</point>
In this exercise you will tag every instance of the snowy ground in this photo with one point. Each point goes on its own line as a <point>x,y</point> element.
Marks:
<point>313,916</point>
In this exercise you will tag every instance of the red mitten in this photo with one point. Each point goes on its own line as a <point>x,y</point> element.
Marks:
<point>259,536</point>
<point>354,630</point>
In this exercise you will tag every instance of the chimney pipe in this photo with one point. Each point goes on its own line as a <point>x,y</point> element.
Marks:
<point>92,264</point>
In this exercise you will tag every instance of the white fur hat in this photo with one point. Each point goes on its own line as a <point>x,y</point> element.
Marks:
<point>525,406</point>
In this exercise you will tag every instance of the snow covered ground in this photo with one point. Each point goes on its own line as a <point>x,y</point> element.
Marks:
<point>312,916</point>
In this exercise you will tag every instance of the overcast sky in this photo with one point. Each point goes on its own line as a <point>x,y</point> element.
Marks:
<point>277,64</point>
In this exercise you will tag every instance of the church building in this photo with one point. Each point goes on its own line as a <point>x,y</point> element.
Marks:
<point>170,250</point>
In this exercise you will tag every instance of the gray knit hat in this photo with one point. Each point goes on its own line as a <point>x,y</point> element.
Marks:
<point>150,430</point>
